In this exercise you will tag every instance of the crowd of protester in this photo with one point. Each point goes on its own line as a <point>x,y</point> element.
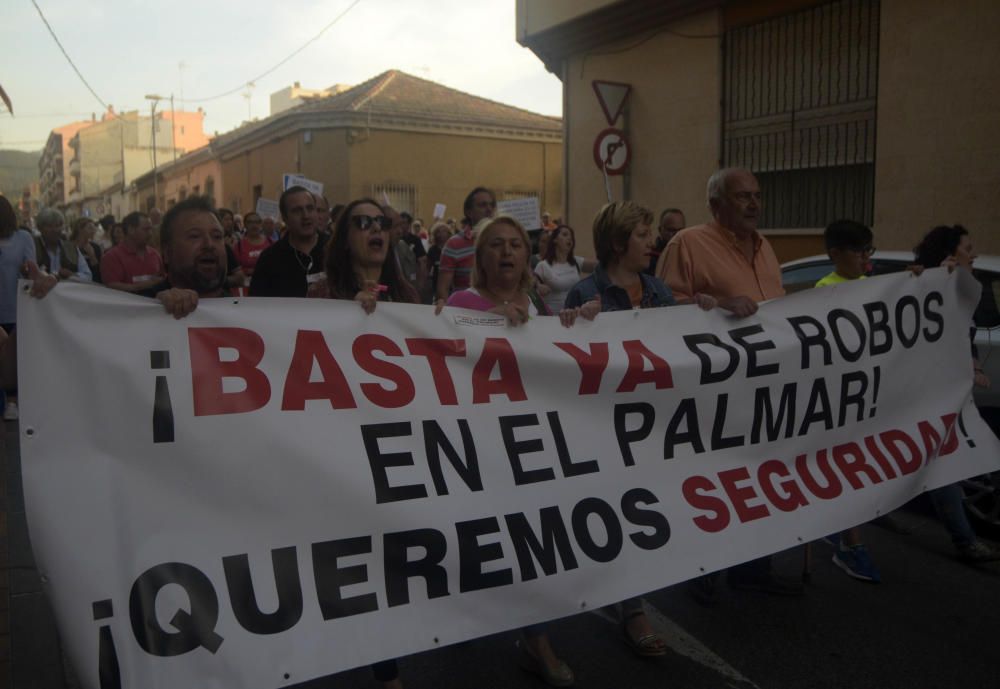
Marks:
<point>367,252</point>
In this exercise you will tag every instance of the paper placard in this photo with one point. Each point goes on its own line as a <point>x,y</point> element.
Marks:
<point>290,180</point>
<point>268,208</point>
<point>525,211</point>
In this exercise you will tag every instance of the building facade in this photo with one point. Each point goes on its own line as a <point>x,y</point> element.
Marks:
<point>399,137</point>
<point>198,173</point>
<point>53,166</point>
<point>843,109</point>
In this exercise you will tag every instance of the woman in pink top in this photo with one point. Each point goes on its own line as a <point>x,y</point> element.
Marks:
<point>502,283</point>
<point>249,247</point>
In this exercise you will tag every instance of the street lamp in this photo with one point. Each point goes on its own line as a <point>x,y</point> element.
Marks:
<point>152,113</point>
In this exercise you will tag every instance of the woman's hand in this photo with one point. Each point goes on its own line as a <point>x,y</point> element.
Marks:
<point>950,263</point>
<point>515,313</point>
<point>568,316</point>
<point>590,309</point>
<point>438,305</point>
<point>368,296</point>
<point>705,302</point>
<point>542,289</point>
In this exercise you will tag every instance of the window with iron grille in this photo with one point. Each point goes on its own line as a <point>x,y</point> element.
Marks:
<point>402,197</point>
<point>799,103</point>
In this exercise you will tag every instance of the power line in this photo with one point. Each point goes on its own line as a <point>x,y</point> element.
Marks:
<point>24,115</point>
<point>68,58</point>
<point>272,69</point>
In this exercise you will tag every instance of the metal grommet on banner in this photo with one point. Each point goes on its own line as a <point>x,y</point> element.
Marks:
<point>436,640</point>
<point>583,605</point>
<point>29,432</point>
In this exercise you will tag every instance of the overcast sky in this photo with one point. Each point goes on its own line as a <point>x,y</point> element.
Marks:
<point>128,48</point>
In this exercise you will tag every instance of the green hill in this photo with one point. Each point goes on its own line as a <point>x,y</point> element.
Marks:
<point>18,169</point>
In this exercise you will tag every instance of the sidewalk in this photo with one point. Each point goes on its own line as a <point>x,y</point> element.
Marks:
<point>30,650</point>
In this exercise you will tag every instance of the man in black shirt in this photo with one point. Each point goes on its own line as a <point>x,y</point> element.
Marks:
<point>295,261</point>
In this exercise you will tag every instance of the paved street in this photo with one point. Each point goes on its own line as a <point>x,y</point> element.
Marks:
<point>933,623</point>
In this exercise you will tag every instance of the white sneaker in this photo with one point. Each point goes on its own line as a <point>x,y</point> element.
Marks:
<point>10,411</point>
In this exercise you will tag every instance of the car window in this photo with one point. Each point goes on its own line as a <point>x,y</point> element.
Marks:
<point>987,314</point>
<point>798,278</point>
<point>881,266</point>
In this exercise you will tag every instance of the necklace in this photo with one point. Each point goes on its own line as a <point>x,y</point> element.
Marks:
<point>307,266</point>
<point>497,298</point>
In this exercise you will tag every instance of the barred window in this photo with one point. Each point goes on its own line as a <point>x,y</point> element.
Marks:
<point>799,98</point>
<point>402,197</point>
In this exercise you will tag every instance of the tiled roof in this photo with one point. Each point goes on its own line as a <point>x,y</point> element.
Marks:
<point>398,94</point>
<point>395,94</point>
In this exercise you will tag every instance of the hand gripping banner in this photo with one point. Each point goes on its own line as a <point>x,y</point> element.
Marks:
<point>271,490</point>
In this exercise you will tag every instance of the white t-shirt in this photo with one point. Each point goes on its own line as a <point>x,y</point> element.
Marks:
<point>559,278</point>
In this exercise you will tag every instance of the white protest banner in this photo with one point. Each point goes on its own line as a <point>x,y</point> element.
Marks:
<point>271,490</point>
<point>289,180</point>
<point>525,211</point>
<point>439,209</point>
<point>266,208</point>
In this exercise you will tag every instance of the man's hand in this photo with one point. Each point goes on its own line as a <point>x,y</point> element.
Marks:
<point>741,307</point>
<point>178,302</point>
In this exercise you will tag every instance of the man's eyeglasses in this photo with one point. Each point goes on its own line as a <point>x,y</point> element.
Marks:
<point>367,223</point>
<point>864,250</point>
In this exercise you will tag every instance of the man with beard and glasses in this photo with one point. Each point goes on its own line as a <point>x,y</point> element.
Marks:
<point>194,250</point>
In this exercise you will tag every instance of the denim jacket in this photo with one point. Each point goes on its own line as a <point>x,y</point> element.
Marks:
<point>613,298</point>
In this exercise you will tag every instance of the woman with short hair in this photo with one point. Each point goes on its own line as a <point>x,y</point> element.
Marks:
<point>624,240</point>
<point>82,234</point>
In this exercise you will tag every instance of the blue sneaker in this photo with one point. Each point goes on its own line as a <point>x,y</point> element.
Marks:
<point>856,563</point>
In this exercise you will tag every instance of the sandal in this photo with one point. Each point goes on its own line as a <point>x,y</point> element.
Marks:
<point>646,646</point>
<point>560,676</point>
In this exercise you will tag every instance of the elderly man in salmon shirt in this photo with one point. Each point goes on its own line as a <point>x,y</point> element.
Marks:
<point>729,260</point>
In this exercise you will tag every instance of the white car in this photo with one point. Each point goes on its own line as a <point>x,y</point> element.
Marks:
<point>982,493</point>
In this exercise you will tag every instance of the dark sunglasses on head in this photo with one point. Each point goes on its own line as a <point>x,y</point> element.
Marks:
<point>365,222</point>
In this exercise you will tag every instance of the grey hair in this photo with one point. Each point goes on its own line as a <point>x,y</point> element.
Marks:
<point>718,182</point>
<point>49,217</point>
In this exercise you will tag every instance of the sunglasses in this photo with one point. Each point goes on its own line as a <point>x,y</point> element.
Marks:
<point>365,223</point>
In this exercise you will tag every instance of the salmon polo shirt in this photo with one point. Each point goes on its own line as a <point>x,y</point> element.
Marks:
<point>706,259</point>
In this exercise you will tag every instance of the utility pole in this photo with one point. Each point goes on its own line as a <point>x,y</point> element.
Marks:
<point>156,187</point>
<point>173,128</point>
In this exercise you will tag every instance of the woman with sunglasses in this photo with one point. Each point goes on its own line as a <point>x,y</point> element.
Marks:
<point>361,261</point>
<point>361,266</point>
<point>559,268</point>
